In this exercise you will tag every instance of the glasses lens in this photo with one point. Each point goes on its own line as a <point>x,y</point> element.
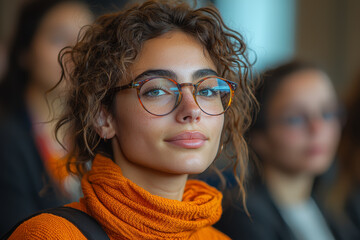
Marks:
<point>213,96</point>
<point>159,96</point>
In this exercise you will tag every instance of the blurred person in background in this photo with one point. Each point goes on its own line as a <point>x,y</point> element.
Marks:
<point>294,138</point>
<point>30,179</point>
<point>344,200</point>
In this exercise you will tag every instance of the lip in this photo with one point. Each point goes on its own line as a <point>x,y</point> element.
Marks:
<point>316,150</point>
<point>188,139</point>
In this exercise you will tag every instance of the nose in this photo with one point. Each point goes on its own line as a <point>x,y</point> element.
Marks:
<point>188,111</point>
<point>315,125</point>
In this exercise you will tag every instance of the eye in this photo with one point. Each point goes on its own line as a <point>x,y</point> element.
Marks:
<point>329,115</point>
<point>157,92</point>
<point>294,120</point>
<point>207,92</point>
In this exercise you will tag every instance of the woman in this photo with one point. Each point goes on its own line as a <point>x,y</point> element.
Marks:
<point>295,137</point>
<point>28,149</point>
<point>148,104</point>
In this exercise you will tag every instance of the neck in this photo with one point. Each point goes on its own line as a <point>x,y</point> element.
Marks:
<point>288,189</point>
<point>170,186</point>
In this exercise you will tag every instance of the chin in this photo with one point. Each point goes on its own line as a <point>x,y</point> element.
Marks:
<point>182,171</point>
<point>317,167</point>
<point>191,166</point>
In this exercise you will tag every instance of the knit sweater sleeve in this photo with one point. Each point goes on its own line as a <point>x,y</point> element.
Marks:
<point>47,226</point>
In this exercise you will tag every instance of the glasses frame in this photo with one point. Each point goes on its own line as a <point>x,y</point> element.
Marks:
<point>140,83</point>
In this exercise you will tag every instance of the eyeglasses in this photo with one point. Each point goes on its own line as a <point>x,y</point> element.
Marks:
<point>160,95</point>
<point>303,120</point>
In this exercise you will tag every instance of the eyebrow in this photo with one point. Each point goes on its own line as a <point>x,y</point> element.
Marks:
<point>201,73</point>
<point>156,73</point>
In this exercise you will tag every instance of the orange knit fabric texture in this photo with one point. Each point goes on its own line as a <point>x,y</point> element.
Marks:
<point>127,211</point>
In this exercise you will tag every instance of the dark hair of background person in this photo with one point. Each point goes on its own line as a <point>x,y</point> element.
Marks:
<point>16,79</point>
<point>107,49</point>
<point>100,7</point>
<point>348,180</point>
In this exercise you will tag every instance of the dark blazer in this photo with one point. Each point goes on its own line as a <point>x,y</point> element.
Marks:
<point>353,208</point>
<point>24,185</point>
<point>266,222</point>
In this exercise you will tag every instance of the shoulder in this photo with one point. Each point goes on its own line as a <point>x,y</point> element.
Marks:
<point>263,222</point>
<point>12,121</point>
<point>353,207</point>
<point>17,144</point>
<point>353,201</point>
<point>47,226</point>
<point>15,134</point>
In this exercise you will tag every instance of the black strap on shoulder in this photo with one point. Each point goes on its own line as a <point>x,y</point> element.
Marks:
<point>88,226</point>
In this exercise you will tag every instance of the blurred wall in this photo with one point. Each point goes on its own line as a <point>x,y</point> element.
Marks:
<point>324,31</point>
<point>328,31</point>
<point>268,28</point>
<point>8,15</point>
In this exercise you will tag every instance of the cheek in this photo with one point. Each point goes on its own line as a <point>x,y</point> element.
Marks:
<point>44,66</point>
<point>47,55</point>
<point>331,134</point>
<point>287,140</point>
<point>134,126</point>
<point>286,149</point>
<point>214,125</point>
<point>218,125</point>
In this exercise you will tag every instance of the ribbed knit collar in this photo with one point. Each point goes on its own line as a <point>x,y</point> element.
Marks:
<point>126,210</point>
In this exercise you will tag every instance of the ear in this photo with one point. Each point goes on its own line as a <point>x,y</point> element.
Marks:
<point>104,124</point>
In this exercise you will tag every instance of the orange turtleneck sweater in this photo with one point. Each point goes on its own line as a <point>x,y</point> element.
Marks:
<point>127,211</point>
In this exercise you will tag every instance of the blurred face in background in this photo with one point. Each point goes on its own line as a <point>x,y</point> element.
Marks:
<point>303,125</point>
<point>58,28</point>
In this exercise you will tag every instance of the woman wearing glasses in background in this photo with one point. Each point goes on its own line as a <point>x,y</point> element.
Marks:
<point>295,137</point>
<point>148,104</point>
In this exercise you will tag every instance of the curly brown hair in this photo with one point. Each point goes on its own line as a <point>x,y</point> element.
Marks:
<point>105,51</point>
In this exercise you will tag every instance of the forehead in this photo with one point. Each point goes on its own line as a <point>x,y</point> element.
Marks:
<point>73,14</point>
<point>307,89</point>
<point>175,51</point>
